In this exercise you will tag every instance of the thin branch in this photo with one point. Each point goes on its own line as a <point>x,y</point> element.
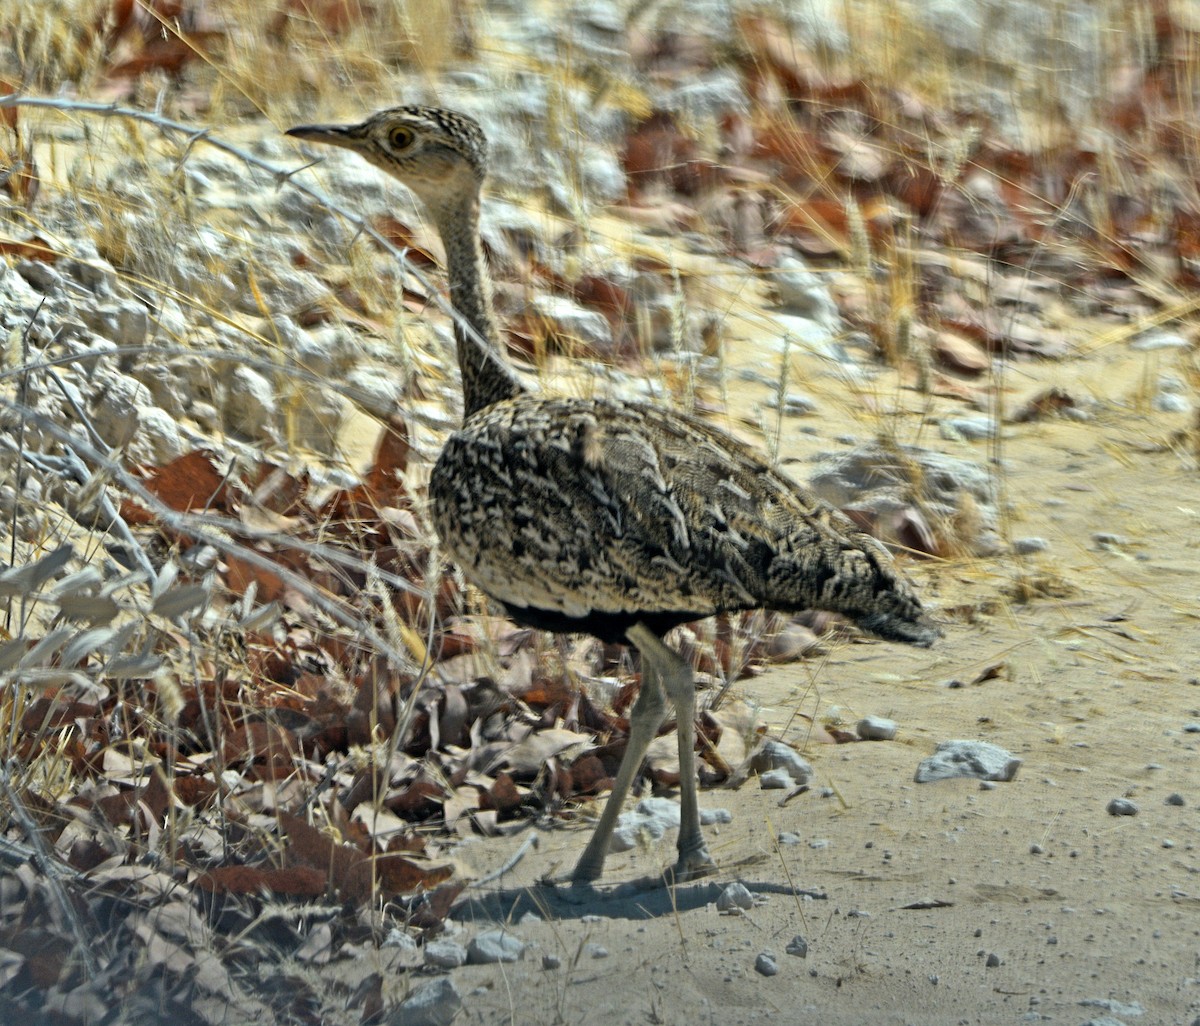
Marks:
<point>282,175</point>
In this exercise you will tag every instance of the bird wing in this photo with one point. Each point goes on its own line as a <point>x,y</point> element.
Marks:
<point>594,506</point>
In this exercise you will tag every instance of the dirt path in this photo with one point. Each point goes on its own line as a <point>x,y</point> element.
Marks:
<point>1098,692</point>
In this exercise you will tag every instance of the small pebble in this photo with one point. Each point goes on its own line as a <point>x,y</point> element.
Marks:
<point>962,758</point>
<point>992,961</point>
<point>876,728</point>
<point>551,962</point>
<point>1133,1008</point>
<point>797,946</point>
<point>776,780</point>
<point>787,837</point>
<point>1153,339</point>
<point>1174,799</point>
<point>772,755</point>
<point>1106,539</point>
<point>1028,546</point>
<point>1167,402</point>
<point>971,429</point>
<point>430,1004</point>
<point>1121,807</point>
<point>445,954</point>
<point>397,938</point>
<point>765,965</point>
<point>795,404</point>
<point>596,951</point>
<point>735,897</point>
<point>1036,849</point>
<point>494,946</point>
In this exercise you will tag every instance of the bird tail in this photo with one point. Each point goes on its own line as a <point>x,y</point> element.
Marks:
<point>920,631</point>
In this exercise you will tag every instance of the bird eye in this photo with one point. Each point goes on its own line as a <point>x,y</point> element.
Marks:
<point>400,137</point>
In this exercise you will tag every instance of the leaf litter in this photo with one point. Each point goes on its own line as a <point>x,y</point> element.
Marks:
<point>278,754</point>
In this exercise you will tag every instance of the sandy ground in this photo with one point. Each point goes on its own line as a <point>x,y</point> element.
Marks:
<point>1100,679</point>
<point>1079,907</point>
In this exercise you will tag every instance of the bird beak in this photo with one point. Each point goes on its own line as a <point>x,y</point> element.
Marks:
<point>345,136</point>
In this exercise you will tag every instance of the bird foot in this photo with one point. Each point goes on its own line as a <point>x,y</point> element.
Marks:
<point>691,865</point>
<point>587,871</point>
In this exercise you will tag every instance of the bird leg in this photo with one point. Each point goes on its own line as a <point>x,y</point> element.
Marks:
<point>675,676</point>
<point>645,718</point>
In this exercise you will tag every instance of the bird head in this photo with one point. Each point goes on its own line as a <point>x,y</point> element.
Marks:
<point>439,154</point>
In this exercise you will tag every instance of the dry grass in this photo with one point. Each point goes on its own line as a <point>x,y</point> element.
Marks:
<point>120,189</point>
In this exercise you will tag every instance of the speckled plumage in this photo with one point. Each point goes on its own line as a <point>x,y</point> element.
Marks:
<point>590,515</point>
<point>621,519</point>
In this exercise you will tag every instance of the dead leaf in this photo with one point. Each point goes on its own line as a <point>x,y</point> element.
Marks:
<point>32,248</point>
<point>526,757</point>
<point>1046,403</point>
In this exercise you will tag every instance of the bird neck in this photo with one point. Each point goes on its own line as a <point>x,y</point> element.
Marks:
<point>486,377</point>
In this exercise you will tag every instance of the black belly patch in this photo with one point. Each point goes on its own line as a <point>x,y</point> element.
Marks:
<point>608,627</point>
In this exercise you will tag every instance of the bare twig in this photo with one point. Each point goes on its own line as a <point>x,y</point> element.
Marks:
<point>282,175</point>
<point>41,858</point>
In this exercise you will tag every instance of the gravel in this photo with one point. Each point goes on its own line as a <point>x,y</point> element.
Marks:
<point>970,429</point>
<point>776,779</point>
<point>445,954</point>
<point>495,946</point>
<point>979,759</point>
<point>1028,546</point>
<point>876,728</point>
<point>765,964</point>
<point>735,897</point>
<point>797,946</point>
<point>774,755</point>
<point>1121,807</point>
<point>430,1004</point>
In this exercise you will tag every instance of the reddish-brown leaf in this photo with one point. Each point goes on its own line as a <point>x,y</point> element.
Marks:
<point>293,881</point>
<point>8,115</point>
<point>429,911</point>
<point>395,874</point>
<point>400,235</point>
<point>420,800</point>
<point>503,795</point>
<point>190,482</point>
<point>1044,404</point>
<point>32,248</point>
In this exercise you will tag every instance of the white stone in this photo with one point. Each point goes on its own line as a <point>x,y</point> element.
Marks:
<point>876,728</point>
<point>431,1004</point>
<point>445,954</point>
<point>735,896</point>
<point>158,439</point>
<point>115,407</point>
<point>979,759</point>
<point>250,405</point>
<point>495,946</point>
<point>776,780</point>
<point>803,292</point>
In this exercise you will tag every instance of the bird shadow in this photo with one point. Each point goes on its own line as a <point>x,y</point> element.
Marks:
<point>640,899</point>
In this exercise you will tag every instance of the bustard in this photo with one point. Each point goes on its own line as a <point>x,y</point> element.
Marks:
<point>617,519</point>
